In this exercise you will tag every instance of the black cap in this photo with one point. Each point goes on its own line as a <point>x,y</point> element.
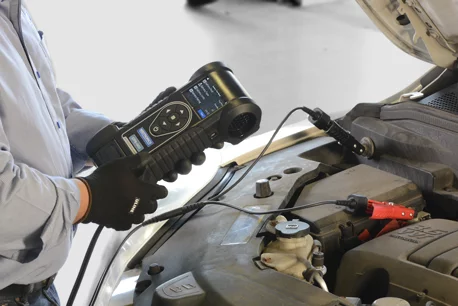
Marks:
<point>292,229</point>
<point>318,259</point>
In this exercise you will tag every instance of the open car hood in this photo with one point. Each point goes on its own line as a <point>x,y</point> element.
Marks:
<point>424,29</point>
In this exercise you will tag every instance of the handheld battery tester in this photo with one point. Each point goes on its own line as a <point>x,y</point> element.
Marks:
<point>212,108</point>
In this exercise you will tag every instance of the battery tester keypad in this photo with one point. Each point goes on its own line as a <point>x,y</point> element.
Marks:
<point>171,119</point>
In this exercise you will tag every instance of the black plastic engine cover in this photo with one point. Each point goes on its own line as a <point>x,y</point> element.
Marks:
<point>417,142</point>
<point>418,263</point>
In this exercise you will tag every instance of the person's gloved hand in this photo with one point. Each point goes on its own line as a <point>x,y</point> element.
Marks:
<point>117,196</point>
<point>184,166</point>
<point>163,96</point>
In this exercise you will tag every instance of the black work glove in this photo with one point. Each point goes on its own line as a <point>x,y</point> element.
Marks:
<point>117,196</point>
<point>184,166</point>
<point>163,96</point>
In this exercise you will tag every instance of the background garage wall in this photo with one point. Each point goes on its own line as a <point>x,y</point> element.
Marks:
<point>115,56</point>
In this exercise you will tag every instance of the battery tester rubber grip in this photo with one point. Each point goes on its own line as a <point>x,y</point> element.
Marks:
<point>212,108</point>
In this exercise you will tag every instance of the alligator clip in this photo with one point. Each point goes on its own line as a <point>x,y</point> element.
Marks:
<point>388,210</point>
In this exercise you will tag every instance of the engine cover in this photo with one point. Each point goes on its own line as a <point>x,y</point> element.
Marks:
<point>418,263</point>
<point>221,248</point>
<point>214,257</point>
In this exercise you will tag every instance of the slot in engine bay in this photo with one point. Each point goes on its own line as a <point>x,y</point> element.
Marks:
<point>324,255</point>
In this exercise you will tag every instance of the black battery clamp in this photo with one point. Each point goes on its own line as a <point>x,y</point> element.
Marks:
<point>211,108</point>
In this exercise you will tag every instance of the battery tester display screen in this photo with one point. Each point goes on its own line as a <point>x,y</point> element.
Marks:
<point>205,98</point>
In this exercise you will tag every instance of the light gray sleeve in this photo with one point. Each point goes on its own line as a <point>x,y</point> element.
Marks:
<point>82,125</point>
<point>37,210</point>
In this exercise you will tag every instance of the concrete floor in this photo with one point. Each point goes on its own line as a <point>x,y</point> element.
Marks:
<point>114,58</point>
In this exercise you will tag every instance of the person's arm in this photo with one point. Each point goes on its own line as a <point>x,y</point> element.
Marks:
<point>81,125</point>
<point>37,211</point>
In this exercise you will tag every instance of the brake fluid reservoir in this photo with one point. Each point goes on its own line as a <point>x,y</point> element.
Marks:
<point>390,301</point>
<point>291,252</point>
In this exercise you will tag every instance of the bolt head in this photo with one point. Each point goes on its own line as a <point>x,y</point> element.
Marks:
<point>403,214</point>
<point>155,269</point>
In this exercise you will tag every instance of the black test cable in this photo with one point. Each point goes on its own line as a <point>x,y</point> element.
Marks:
<point>315,117</point>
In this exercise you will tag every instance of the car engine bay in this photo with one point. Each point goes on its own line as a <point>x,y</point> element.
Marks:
<point>324,255</point>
